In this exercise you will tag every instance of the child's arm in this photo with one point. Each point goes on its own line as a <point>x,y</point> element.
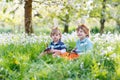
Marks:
<point>55,51</point>
<point>58,51</point>
<point>47,50</point>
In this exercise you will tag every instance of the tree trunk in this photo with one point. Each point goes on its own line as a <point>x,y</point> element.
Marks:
<point>103,15</point>
<point>28,17</point>
<point>118,25</point>
<point>102,22</point>
<point>66,26</point>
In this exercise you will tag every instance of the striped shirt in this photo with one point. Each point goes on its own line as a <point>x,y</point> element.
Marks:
<point>58,46</point>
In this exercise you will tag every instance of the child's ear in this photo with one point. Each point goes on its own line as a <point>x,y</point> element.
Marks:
<point>60,35</point>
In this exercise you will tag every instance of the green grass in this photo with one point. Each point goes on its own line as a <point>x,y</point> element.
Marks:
<point>21,62</point>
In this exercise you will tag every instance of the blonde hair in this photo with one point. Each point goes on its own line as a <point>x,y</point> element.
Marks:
<point>85,29</point>
<point>55,30</point>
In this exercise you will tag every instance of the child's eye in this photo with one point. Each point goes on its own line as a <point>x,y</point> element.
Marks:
<point>56,34</point>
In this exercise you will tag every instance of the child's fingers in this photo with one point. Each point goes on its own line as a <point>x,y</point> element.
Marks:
<point>54,55</point>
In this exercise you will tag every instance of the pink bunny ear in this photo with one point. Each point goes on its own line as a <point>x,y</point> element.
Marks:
<point>55,28</point>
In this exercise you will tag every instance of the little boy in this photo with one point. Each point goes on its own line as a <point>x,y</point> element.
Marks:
<point>83,44</point>
<point>56,47</point>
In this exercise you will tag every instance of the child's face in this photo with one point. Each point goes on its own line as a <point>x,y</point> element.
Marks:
<point>56,37</point>
<point>81,34</point>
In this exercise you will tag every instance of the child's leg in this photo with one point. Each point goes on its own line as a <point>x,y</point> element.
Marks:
<point>56,54</point>
<point>65,54</point>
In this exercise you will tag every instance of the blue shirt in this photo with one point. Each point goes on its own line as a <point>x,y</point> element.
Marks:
<point>59,46</point>
<point>83,45</point>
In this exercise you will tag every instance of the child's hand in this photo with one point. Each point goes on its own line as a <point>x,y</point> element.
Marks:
<point>74,50</point>
<point>47,50</point>
<point>54,55</point>
<point>56,52</point>
<point>53,50</point>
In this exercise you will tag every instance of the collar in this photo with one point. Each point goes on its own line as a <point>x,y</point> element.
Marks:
<point>84,40</point>
<point>56,43</point>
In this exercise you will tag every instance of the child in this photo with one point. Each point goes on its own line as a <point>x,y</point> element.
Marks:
<point>83,44</point>
<point>56,47</point>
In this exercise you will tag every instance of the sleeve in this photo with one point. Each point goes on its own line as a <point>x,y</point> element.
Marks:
<point>89,46</point>
<point>63,50</point>
<point>63,46</point>
<point>76,48</point>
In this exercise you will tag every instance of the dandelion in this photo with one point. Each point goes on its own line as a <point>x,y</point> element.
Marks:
<point>99,64</point>
<point>108,58</point>
<point>23,39</point>
<point>109,48</point>
<point>16,62</point>
<point>103,52</point>
<point>82,65</point>
<point>114,55</point>
<point>1,68</point>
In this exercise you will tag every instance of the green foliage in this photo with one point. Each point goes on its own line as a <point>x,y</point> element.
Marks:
<point>45,11</point>
<point>21,62</point>
<point>9,0</point>
<point>6,30</point>
<point>95,13</point>
<point>95,30</point>
<point>4,10</point>
<point>107,29</point>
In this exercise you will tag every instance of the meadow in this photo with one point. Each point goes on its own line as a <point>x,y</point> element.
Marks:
<point>19,58</point>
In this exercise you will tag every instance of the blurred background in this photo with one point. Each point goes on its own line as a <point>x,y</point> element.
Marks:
<point>19,52</point>
<point>36,16</point>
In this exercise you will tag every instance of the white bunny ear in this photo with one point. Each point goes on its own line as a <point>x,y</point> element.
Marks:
<point>83,20</point>
<point>51,27</point>
<point>55,22</point>
<point>78,21</point>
